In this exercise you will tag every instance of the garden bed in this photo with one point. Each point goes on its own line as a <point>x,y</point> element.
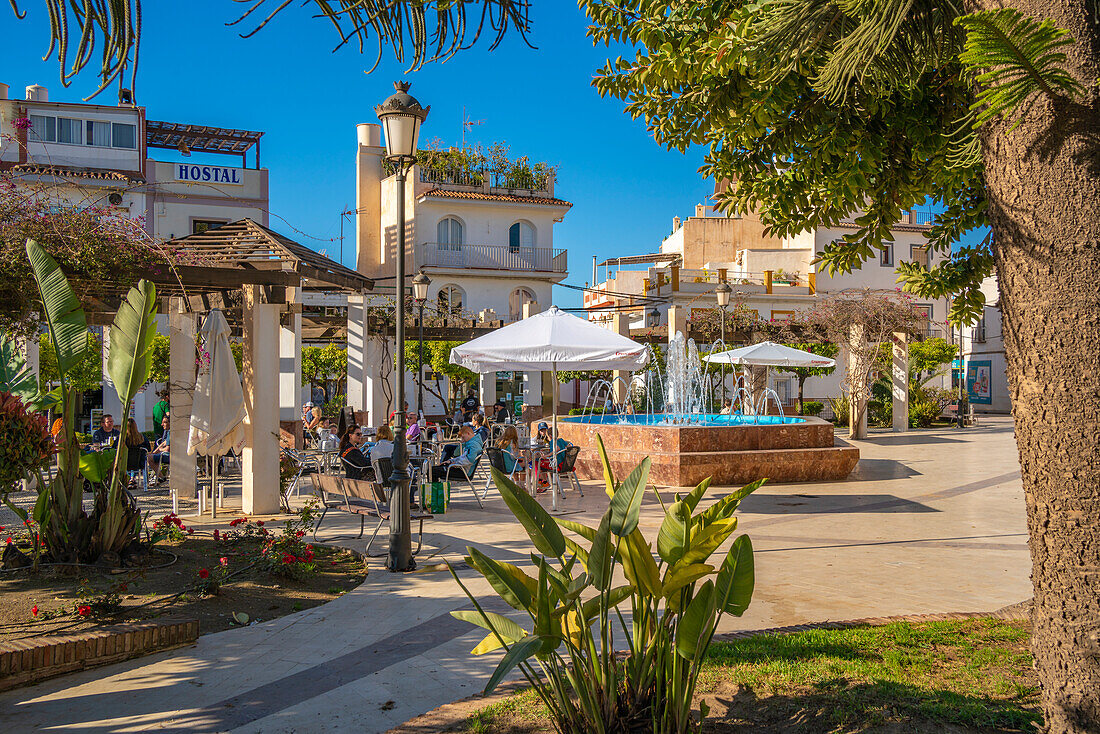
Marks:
<point>177,579</point>
<point>965,676</point>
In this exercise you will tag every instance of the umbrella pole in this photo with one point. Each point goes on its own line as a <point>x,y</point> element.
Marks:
<point>555,481</point>
<point>213,486</point>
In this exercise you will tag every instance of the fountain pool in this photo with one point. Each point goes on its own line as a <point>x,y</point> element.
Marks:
<point>687,444</point>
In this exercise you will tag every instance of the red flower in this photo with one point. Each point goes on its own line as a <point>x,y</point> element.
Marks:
<point>83,610</point>
<point>203,573</point>
<point>235,523</point>
<point>260,523</point>
<point>190,530</point>
<point>332,562</point>
<point>34,610</point>
<point>217,535</point>
<point>7,540</point>
<point>224,561</point>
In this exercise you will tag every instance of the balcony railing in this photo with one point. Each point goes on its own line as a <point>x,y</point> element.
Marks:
<point>493,257</point>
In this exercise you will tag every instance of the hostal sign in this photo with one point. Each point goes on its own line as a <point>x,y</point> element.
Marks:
<point>209,174</point>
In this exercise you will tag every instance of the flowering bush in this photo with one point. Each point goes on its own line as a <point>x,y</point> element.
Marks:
<point>25,442</point>
<point>22,123</point>
<point>210,581</point>
<point>288,554</point>
<point>169,527</point>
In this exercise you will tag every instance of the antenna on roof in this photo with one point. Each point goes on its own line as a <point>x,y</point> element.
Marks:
<point>467,124</point>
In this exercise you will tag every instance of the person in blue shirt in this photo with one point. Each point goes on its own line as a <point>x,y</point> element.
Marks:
<point>509,450</point>
<point>468,454</point>
<point>561,444</point>
<point>480,428</point>
<point>158,457</point>
<point>107,434</point>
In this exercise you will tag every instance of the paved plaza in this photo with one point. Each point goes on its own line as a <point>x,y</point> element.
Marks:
<point>931,521</point>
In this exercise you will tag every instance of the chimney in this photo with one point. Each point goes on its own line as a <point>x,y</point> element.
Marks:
<point>675,223</point>
<point>700,210</point>
<point>3,91</point>
<point>37,93</point>
<point>369,134</point>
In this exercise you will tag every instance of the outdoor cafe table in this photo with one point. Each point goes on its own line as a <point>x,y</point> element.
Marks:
<point>533,451</point>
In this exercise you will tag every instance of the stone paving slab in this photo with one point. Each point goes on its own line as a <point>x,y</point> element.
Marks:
<point>932,521</point>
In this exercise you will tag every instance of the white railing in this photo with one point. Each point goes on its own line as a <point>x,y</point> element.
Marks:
<point>493,257</point>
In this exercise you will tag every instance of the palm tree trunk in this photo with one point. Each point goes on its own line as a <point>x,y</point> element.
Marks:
<point>1043,181</point>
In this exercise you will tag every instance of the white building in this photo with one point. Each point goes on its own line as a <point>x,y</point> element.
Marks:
<point>773,278</point>
<point>93,155</point>
<point>486,244</point>
<point>983,355</point>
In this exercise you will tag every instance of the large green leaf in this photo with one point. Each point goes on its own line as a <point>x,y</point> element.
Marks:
<point>726,506</point>
<point>626,505</point>
<point>513,585</point>
<point>516,654</point>
<point>582,530</point>
<point>638,564</point>
<point>679,577</point>
<point>15,376</point>
<point>132,335</point>
<point>608,472</point>
<point>68,325</point>
<point>736,578</point>
<point>706,540</point>
<point>693,497</point>
<point>95,466</point>
<point>694,626</point>
<point>498,626</point>
<point>675,532</point>
<point>540,526</point>
<point>601,557</point>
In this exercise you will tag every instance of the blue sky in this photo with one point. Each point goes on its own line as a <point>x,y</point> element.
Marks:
<point>287,82</point>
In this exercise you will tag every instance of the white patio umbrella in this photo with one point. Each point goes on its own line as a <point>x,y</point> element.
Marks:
<point>551,340</point>
<point>769,354</point>
<point>217,410</point>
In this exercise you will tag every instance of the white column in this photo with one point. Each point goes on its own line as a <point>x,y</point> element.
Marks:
<point>357,340</point>
<point>181,383</point>
<point>290,370</point>
<point>111,403</point>
<point>677,321</point>
<point>142,407</point>
<point>260,461</point>
<point>857,390</point>
<point>373,389</point>
<point>532,381</point>
<point>899,382</point>
<point>620,324</point>
<point>30,350</point>
<point>487,389</point>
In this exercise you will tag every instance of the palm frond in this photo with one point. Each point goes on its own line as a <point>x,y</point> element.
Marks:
<point>421,31</point>
<point>1011,56</point>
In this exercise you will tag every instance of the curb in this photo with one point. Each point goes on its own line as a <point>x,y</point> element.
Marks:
<point>451,716</point>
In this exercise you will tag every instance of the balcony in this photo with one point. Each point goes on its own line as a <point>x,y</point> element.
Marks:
<point>492,257</point>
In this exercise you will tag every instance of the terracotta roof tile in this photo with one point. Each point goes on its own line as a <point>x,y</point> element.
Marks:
<point>100,173</point>
<point>482,196</point>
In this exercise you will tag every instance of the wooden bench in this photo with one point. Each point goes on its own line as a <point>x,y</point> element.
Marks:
<point>363,498</point>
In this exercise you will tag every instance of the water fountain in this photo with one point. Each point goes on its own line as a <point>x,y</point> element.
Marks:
<point>687,441</point>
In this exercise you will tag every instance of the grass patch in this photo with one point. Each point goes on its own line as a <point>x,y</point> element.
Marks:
<point>975,675</point>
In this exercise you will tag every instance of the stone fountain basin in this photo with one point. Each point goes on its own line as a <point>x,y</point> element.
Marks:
<point>682,456</point>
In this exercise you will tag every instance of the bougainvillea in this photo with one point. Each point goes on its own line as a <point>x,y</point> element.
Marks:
<point>25,442</point>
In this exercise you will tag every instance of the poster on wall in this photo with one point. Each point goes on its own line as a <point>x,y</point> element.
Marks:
<point>979,383</point>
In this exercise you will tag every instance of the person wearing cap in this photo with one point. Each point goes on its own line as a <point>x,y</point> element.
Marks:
<point>560,445</point>
<point>501,412</point>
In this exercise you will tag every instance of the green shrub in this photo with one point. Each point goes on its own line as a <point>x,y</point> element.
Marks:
<point>839,405</point>
<point>922,413</point>
<point>571,651</point>
<point>591,411</point>
<point>812,407</point>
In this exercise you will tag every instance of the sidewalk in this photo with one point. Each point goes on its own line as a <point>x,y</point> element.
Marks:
<point>932,521</point>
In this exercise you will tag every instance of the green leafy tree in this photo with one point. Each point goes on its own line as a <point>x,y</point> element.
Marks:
<point>437,356</point>
<point>825,349</point>
<point>816,109</point>
<point>321,364</point>
<point>85,376</point>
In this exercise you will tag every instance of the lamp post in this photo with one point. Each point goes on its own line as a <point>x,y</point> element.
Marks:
<point>420,295</point>
<point>722,292</point>
<point>401,117</point>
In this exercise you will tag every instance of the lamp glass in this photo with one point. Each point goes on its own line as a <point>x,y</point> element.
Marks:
<point>420,286</point>
<point>723,293</point>
<point>402,131</point>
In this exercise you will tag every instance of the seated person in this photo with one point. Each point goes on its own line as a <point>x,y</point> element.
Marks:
<point>107,433</point>
<point>382,449</point>
<point>480,428</point>
<point>727,407</point>
<point>137,447</point>
<point>469,452</point>
<point>311,417</point>
<point>500,414</point>
<point>356,465</point>
<point>561,446</point>
<point>158,457</point>
<point>509,448</point>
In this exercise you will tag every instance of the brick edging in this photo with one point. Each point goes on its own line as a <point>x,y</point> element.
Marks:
<point>449,716</point>
<point>35,659</point>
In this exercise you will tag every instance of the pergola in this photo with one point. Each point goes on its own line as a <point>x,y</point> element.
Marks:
<point>256,276</point>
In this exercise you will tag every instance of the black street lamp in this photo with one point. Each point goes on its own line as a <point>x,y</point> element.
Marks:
<point>420,295</point>
<point>401,117</point>
<point>722,292</point>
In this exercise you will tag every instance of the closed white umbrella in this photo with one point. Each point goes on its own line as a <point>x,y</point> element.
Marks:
<point>770,354</point>
<point>217,410</point>
<point>551,340</point>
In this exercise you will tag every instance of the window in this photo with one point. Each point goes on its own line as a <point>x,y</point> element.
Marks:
<point>521,234</point>
<point>98,134</point>
<point>977,334</point>
<point>451,300</point>
<point>924,320</point>
<point>887,256</point>
<point>450,235</point>
<point>919,255</point>
<point>123,135</point>
<point>782,315</point>
<point>69,131</point>
<point>199,226</point>
<point>43,129</point>
<point>516,302</point>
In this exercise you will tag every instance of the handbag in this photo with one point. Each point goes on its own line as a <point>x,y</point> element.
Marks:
<point>435,497</point>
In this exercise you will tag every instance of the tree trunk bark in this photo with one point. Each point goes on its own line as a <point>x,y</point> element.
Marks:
<point>1043,182</point>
